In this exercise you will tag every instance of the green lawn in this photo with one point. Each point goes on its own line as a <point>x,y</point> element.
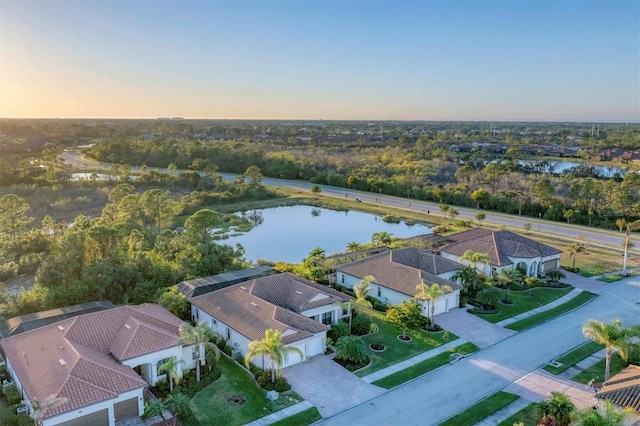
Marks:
<point>210,405</point>
<point>423,366</point>
<point>525,323</point>
<point>596,371</point>
<point>525,301</point>
<point>303,418</point>
<point>528,416</point>
<point>575,356</point>
<point>481,410</point>
<point>396,350</point>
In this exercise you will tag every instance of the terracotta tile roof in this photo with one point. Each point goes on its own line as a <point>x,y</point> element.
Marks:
<point>402,270</point>
<point>250,315</point>
<point>71,358</point>
<point>623,389</point>
<point>292,292</point>
<point>499,245</point>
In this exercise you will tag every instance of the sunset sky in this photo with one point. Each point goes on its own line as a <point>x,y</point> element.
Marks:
<point>552,60</point>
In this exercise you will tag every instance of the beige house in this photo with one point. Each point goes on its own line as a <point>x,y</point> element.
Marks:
<point>302,310</point>
<point>94,367</point>
<point>397,273</point>
<point>506,250</point>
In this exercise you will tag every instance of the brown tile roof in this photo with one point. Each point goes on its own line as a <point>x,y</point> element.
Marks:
<point>402,270</point>
<point>71,358</point>
<point>250,315</point>
<point>623,389</point>
<point>292,292</point>
<point>499,245</point>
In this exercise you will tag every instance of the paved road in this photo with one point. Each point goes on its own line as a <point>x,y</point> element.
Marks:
<point>593,235</point>
<point>430,399</point>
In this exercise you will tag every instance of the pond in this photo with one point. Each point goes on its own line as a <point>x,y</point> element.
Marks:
<point>289,234</point>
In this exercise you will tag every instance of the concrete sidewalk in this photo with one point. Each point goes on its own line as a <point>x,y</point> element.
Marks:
<point>411,361</point>
<point>573,293</point>
<point>282,414</point>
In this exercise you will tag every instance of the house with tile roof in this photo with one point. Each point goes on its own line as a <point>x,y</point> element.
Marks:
<point>397,273</point>
<point>623,390</point>
<point>302,310</point>
<point>95,366</point>
<point>506,250</point>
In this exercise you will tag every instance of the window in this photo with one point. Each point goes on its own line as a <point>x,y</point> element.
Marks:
<point>326,318</point>
<point>162,361</point>
<point>193,352</point>
<point>214,321</point>
<point>228,333</point>
<point>379,291</point>
<point>342,278</point>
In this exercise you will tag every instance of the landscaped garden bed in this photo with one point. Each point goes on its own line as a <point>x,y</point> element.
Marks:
<point>524,301</point>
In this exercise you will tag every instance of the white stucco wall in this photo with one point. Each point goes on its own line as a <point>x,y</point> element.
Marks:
<point>393,297</point>
<point>316,313</point>
<point>109,405</point>
<point>155,357</point>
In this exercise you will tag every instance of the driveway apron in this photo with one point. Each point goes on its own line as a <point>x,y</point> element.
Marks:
<point>328,386</point>
<point>472,328</point>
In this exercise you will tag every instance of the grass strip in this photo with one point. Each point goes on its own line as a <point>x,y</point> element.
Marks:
<point>481,410</point>
<point>303,418</point>
<point>573,357</point>
<point>596,371</point>
<point>579,300</point>
<point>528,416</point>
<point>423,367</point>
<point>525,301</point>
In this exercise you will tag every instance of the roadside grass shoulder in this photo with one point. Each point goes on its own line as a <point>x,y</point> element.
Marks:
<point>528,416</point>
<point>596,371</point>
<point>525,323</point>
<point>481,410</point>
<point>423,367</point>
<point>524,301</point>
<point>573,357</point>
<point>303,418</point>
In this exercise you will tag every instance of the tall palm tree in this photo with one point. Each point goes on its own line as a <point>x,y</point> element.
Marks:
<point>431,293</point>
<point>199,335</point>
<point>273,348</point>
<point>381,238</point>
<point>170,367</point>
<point>556,410</point>
<point>474,258</point>
<point>362,290</point>
<point>614,336</point>
<point>508,277</point>
<point>468,277</point>
<point>574,249</point>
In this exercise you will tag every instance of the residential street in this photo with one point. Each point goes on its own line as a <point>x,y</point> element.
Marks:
<point>435,397</point>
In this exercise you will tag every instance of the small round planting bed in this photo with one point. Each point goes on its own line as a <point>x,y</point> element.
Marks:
<point>506,302</point>
<point>406,339</point>
<point>377,347</point>
<point>236,400</point>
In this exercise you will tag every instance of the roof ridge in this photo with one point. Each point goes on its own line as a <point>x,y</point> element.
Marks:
<point>113,370</point>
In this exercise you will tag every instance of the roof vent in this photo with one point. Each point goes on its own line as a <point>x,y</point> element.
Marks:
<point>62,362</point>
<point>61,328</point>
<point>127,326</point>
<point>298,292</point>
<point>254,304</point>
<point>243,287</point>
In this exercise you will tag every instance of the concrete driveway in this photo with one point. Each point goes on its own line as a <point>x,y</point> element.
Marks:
<point>328,386</point>
<point>472,328</point>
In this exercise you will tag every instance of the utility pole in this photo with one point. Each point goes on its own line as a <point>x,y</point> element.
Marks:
<point>626,251</point>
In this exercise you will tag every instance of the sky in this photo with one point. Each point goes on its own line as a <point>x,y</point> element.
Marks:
<point>496,60</point>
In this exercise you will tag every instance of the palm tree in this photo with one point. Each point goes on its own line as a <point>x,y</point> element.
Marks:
<point>155,409</point>
<point>362,290</point>
<point>200,335</point>
<point>614,336</point>
<point>170,367</point>
<point>178,404</point>
<point>381,238</point>
<point>468,276</point>
<point>431,293</point>
<point>574,249</point>
<point>556,410</point>
<point>352,246</point>
<point>474,258</point>
<point>273,348</point>
<point>508,277</point>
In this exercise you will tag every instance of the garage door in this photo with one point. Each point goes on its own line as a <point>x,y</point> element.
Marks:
<point>126,409</point>
<point>99,418</point>
<point>315,347</point>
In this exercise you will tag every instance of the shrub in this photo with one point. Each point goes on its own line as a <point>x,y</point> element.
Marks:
<point>488,298</point>
<point>338,330</point>
<point>263,377</point>
<point>482,311</point>
<point>13,394</point>
<point>389,218</point>
<point>8,270</point>
<point>351,349</point>
<point>379,306</point>
<point>360,325</point>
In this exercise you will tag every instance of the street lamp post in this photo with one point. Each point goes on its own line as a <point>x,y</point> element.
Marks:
<point>539,219</point>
